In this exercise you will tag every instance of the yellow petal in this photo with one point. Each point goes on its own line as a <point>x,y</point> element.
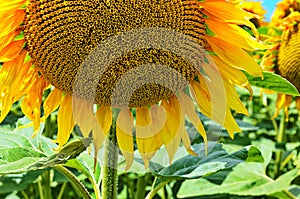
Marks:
<point>147,134</point>
<point>7,39</point>
<point>186,142</point>
<point>124,135</point>
<point>229,12</point>
<point>234,34</point>
<point>189,109</point>
<point>32,102</point>
<point>98,138</point>
<point>234,56</point>
<point>11,21</point>
<point>52,102</point>
<point>12,72</point>
<point>235,75</point>
<point>172,133</point>
<point>104,118</point>
<point>83,115</point>
<point>11,51</point>
<point>233,99</point>
<point>65,121</point>
<point>10,6</point>
<point>213,106</point>
<point>298,103</point>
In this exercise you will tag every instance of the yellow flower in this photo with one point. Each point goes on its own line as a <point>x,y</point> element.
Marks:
<point>254,7</point>
<point>283,58</point>
<point>55,45</point>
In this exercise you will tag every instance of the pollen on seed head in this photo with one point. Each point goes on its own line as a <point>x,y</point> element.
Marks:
<point>61,34</point>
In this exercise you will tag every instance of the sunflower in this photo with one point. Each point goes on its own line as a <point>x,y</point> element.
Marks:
<point>254,7</point>
<point>283,58</point>
<point>51,45</point>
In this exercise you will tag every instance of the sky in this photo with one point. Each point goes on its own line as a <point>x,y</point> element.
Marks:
<point>269,5</point>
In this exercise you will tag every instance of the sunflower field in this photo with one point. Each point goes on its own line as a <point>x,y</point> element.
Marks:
<point>162,99</point>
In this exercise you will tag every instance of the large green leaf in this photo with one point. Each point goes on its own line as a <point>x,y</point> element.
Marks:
<point>274,82</point>
<point>245,179</point>
<point>189,167</point>
<point>19,152</point>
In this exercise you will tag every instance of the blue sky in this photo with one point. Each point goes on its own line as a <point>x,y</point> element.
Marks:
<point>269,5</point>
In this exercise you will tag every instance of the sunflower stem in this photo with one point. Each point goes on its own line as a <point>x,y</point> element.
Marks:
<point>280,139</point>
<point>110,170</point>
<point>154,190</point>
<point>75,182</point>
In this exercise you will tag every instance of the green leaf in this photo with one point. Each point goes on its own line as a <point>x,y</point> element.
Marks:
<point>70,151</point>
<point>189,167</point>
<point>272,81</point>
<point>17,182</point>
<point>85,164</point>
<point>246,179</point>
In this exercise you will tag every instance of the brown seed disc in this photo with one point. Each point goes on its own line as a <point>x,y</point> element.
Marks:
<point>289,60</point>
<point>62,35</point>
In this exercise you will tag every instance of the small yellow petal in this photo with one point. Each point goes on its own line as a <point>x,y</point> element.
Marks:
<point>10,6</point>
<point>11,21</point>
<point>11,51</point>
<point>214,108</point>
<point>171,133</point>
<point>32,102</point>
<point>124,135</point>
<point>104,118</point>
<point>98,138</point>
<point>189,109</point>
<point>52,102</point>
<point>65,120</point>
<point>83,115</point>
<point>148,137</point>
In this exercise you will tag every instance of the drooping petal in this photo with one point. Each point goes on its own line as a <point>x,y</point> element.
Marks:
<point>172,133</point>
<point>31,104</point>
<point>65,121</point>
<point>104,118</point>
<point>189,109</point>
<point>52,102</point>
<point>233,74</point>
<point>148,135</point>
<point>98,138</point>
<point>186,141</point>
<point>214,106</point>
<point>124,135</point>
<point>83,115</point>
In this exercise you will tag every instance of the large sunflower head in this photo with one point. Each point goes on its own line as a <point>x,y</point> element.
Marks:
<point>137,56</point>
<point>284,57</point>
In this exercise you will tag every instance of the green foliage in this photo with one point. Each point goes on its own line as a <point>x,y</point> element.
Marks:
<point>274,82</point>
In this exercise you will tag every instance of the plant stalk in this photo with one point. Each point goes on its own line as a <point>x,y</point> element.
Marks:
<point>154,190</point>
<point>109,169</point>
<point>77,185</point>
<point>280,139</point>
